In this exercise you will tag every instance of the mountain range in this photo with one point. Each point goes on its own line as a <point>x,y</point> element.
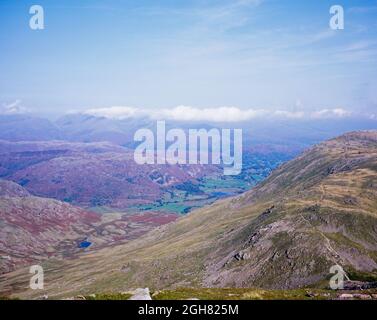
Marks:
<point>82,127</point>
<point>313,212</point>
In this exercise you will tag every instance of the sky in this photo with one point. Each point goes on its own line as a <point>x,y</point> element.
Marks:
<point>232,59</point>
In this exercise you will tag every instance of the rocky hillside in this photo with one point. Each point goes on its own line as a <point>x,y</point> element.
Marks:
<point>11,189</point>
<point>311,213</point>
<point>33,229</point>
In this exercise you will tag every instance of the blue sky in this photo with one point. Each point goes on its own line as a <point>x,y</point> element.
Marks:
<point>247,54</point>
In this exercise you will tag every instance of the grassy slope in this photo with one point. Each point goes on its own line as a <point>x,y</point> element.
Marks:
<point>313,212</point>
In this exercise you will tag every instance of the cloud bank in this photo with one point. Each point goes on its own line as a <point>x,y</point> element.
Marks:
<point>218,114</point>
<point>13,108</point>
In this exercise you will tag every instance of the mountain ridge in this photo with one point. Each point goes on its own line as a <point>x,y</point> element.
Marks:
<point>311,213</point>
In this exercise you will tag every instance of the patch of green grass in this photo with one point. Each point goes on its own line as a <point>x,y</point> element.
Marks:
<point>7,298</point>
<point>210,185</point>
<point>362,276</point>
<point>174,207</point>
<point>109,296</point>
<point>103,209</point>
<point>241,294</point>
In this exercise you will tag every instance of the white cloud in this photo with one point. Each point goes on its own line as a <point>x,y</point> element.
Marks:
<point>365,9</point>
<point>13,108</point>
<point>179,113</point>
<point>219,114</point>
<point>322,35</point>
<point>116,112</point>
<point>289,114</point>
<point>331,113</point>
<point>222,16</point>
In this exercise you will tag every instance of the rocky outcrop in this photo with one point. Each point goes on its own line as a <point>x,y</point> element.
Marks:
<point>140,294</point>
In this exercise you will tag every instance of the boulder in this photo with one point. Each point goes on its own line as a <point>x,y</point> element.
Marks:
<point>141,294</point>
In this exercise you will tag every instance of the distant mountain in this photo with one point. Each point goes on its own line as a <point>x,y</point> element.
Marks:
<point>272,133</point>
<point>313,212</point>
<point>87,128</point>
<point>80,127</point>
<point>20,127</point>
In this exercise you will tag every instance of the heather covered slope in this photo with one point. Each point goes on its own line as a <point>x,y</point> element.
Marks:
<point>92,174</point>
<point>33,229</point>
<point>104,177</point>
<point>311,213</point>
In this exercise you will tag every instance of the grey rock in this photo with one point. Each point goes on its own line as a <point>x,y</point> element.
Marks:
<point>141,294</point>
